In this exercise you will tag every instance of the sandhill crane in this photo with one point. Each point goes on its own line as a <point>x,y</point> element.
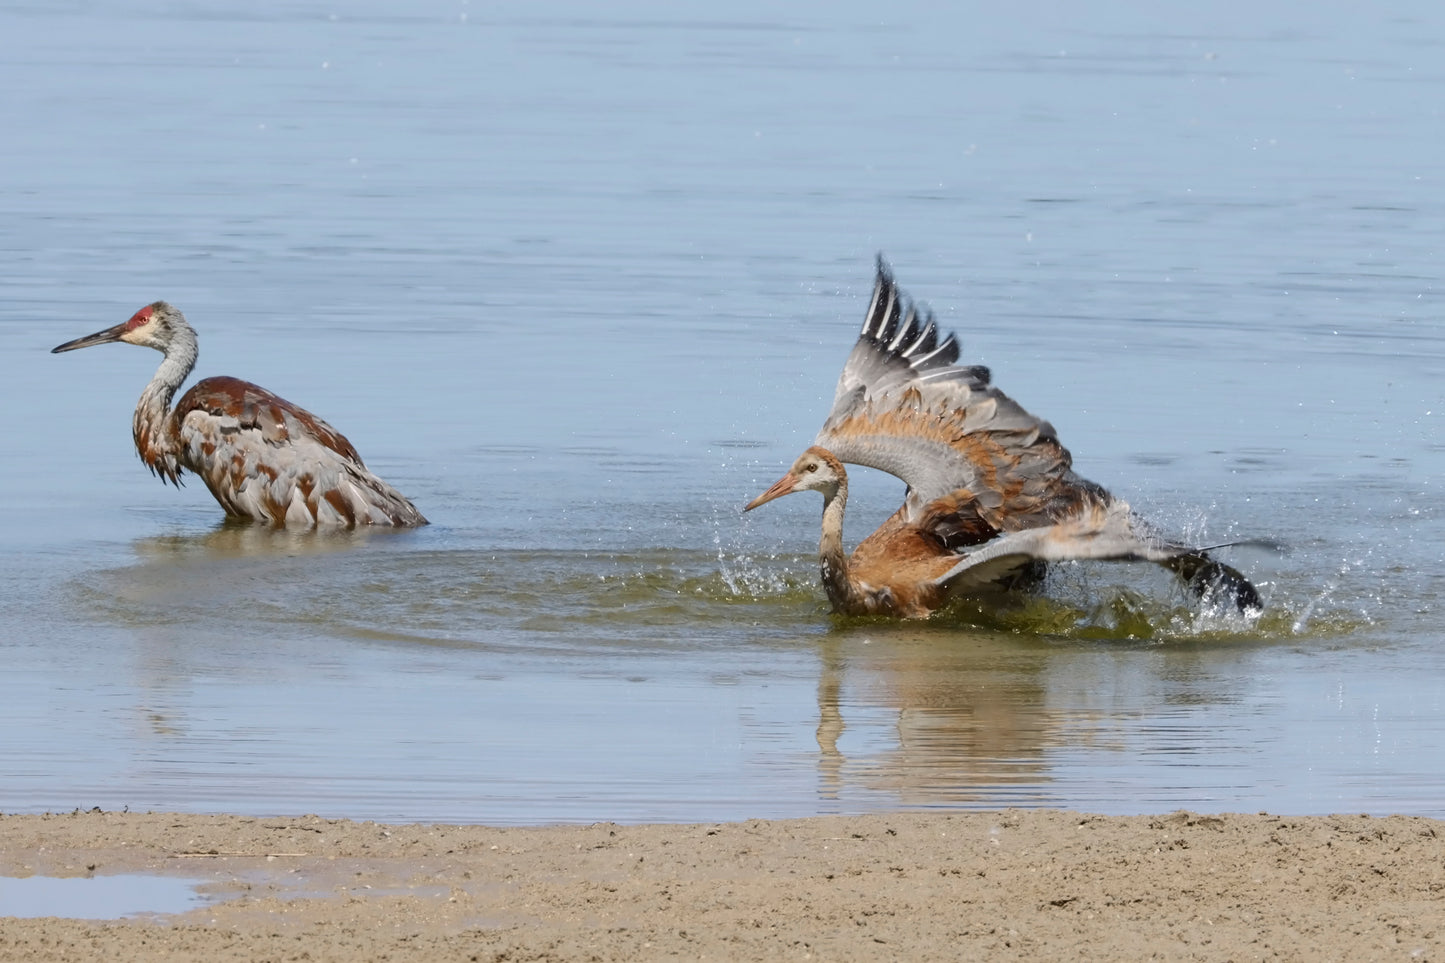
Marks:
<point>262,457</point>
<point>991,491</point>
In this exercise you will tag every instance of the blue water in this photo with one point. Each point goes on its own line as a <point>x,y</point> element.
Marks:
<point>579,281</point>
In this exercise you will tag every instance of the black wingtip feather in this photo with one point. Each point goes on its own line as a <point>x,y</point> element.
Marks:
<point>927,341</point>
<point>881,321</point>
<point>880,324</point>
<point>949,351</point>
<point>893,317</point>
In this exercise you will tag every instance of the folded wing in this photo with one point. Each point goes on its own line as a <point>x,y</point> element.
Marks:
<point>266,458</point>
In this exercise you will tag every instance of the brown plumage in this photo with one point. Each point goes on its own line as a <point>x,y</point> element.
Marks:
<point>262,457</point>
<point>991,491</point>
<point>894,571</point>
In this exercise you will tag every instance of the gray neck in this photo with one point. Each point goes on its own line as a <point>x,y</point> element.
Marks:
<point>837,580</point>
<point>179,361</point>
<point>153,433</point>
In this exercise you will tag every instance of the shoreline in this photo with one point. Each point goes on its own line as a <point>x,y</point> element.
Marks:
<point>1009,884</point>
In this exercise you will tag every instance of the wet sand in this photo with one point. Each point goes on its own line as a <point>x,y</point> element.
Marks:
<point>1041,884</point>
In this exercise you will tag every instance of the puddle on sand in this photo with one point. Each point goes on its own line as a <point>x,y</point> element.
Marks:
<point>97,897</point>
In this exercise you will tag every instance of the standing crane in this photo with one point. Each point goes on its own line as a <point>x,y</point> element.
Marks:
<point>262,457</point>
<point>992,494</point>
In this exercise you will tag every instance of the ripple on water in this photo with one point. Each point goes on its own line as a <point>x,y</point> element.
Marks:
<point>381,589</point>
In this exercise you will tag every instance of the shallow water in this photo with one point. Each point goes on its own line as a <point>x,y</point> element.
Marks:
<point>580,284</point>
<point>97,897</point>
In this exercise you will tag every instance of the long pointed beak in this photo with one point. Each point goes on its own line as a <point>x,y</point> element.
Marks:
<point>783,486</point>
<point>100,337</point>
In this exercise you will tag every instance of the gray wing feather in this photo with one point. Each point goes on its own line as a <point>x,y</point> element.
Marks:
<point>1109,532</point>
<point>903,405</point>
<point>1103,532</point>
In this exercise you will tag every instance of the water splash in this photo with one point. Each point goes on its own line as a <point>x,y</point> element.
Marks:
<point>1327,592</point>
<point>745,577</point>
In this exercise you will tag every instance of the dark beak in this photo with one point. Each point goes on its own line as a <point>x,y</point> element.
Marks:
<point>100,337</point>
<point>783,486</point>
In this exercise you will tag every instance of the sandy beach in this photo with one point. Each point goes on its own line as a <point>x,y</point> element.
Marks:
<point>1038,884</point>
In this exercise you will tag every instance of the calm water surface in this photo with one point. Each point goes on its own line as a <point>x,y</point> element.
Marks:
<point>580,283</point>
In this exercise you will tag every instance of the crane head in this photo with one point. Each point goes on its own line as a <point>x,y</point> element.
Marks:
<point>153,326</point>
<point>816,470</point>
